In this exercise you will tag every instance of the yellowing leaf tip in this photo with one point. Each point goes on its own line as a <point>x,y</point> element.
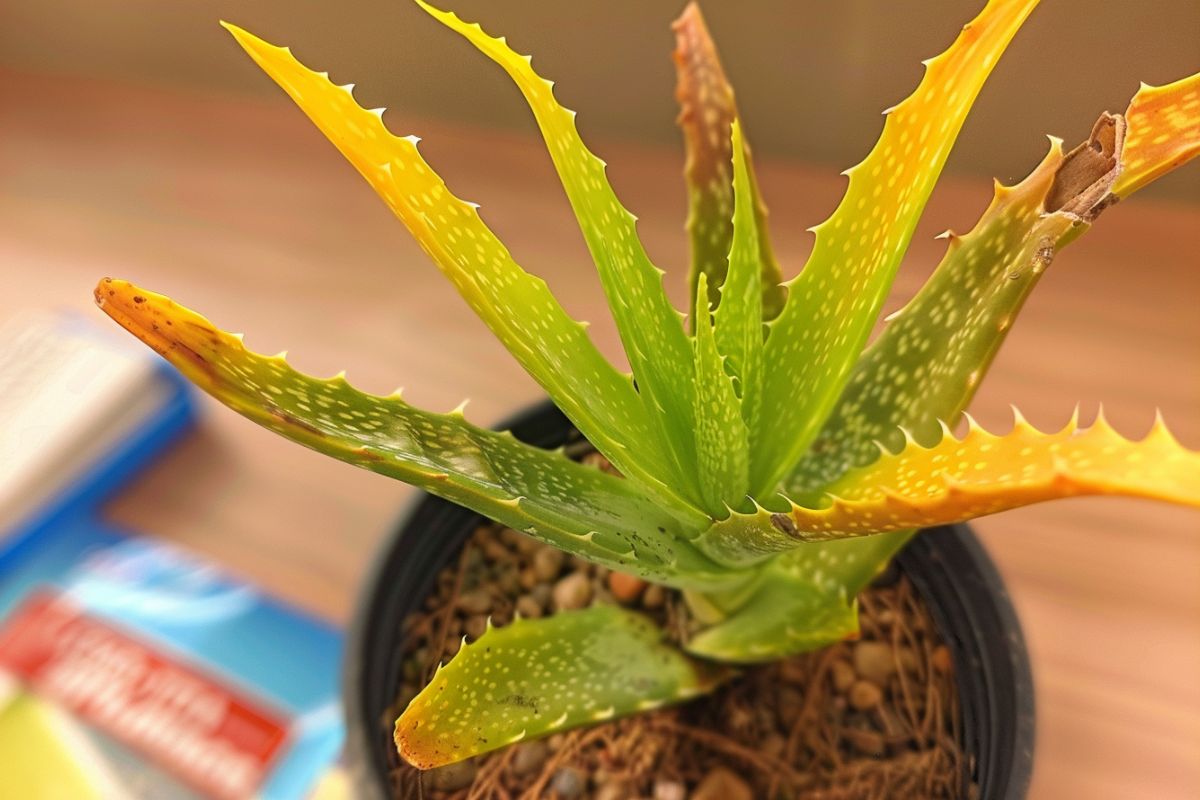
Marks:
<point>248,40</point>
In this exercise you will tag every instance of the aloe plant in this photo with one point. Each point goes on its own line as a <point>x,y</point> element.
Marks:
<point>771,462</point>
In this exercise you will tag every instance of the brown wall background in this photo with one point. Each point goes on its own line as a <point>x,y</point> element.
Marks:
<point>812,76</point>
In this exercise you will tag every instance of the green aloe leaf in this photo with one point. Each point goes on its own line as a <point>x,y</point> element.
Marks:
<point>838,570</point>
<point>651,329</point>
<point>577,508</point>
<point>931,357</point>
<point>722,439</point>
<point>738,319</point>
<point>517,306</point>
<point>729,353</point>
<point>791,611</point>
<point>707,111</point>
<point>833,303</point>
<point>536,677</point>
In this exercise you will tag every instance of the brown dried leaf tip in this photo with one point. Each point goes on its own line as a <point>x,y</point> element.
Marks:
<point>1082,186</point>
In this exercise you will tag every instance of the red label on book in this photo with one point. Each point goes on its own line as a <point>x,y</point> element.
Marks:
<point>209,735</point>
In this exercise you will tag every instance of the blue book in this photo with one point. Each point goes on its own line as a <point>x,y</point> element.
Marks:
<point>128,668</point>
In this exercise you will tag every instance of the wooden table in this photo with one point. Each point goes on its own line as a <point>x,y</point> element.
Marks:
<point>238,208</point>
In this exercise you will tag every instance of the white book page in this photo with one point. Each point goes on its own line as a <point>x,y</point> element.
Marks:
<point>67,396</point>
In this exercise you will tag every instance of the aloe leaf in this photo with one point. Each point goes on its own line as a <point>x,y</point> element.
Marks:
<point>651,330</point>
<point>582,510</point>
<point>960,479</point>
<point>832,304</point>
<point>517,306</point>
<point>728,351</point>
<point>738,320</point>
<point>791,611</point>
<point>707,111</point>
<point>804,600</point>
<point>722,438</point>
<point>931,357</point>
<point>1163,132</point>
<point>536,677</point>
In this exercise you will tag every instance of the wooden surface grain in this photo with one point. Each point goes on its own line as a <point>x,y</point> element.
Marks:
<point>239,209</point>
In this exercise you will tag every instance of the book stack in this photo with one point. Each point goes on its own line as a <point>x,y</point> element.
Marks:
<point>129,668</point>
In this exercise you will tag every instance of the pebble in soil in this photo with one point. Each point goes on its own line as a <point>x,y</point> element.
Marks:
<point>872,719</point>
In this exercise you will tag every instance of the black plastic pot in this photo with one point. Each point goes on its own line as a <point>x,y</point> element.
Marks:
<point>947,565</point>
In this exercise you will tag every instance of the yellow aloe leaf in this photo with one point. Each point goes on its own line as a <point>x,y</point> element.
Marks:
<point>1163,132</point>
<point>651,328</point>
<point>960,479</point>
<point>517,306</point>
<point>833,303</point>
<point>542,493</point>
<point>707,111</point>
<point>982,473</point>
